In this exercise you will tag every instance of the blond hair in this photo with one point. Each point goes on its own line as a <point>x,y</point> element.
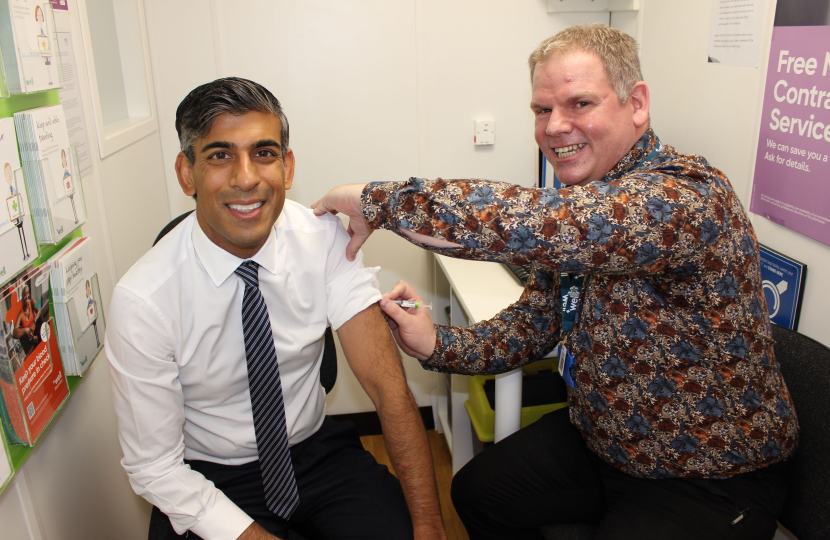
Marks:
<point>616,49</point>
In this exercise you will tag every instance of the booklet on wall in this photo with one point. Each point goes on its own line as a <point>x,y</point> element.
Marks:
<point>51,168</point>
<point>29,46</point>
<point>32,382</point>
<point>76,301</point>
<point>18,247</point>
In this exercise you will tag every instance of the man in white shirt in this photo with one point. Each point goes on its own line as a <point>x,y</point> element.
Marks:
<point>181,357</point>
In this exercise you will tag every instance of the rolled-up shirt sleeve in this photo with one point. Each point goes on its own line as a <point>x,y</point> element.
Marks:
<point>149,405</point>
<point>350,288</point>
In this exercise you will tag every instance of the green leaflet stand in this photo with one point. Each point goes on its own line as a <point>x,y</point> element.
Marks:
<point>9,106</point>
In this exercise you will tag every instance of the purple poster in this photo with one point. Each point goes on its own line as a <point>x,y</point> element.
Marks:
<point>792,172</point>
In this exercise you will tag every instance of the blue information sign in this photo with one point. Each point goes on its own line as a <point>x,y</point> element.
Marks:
<point>783,279</point>
<point>547,178</point>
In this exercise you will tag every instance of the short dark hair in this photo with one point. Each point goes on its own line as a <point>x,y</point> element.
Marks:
<point>199,109</point>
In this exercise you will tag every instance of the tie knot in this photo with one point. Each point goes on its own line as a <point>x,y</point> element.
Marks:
<point>249,272</point>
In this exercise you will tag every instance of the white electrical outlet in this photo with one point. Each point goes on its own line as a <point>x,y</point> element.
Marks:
<point>485,132</point>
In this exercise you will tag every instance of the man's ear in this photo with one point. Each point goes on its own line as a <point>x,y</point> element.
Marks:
<point>288,164</point>
<point>639,99</point>
<point>184,172</point>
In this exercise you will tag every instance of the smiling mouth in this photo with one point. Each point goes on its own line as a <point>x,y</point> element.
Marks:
<point>245,208</point>
<point>567,151</point>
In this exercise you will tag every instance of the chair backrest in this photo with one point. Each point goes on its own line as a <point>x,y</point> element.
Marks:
<point>805,364</point>
<point>328,366</point>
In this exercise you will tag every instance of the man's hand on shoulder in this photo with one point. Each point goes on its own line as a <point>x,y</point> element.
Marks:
<point>347,200</point>
<point>256,532</point>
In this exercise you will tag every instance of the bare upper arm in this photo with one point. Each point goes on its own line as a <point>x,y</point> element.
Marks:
<point>371,351</point>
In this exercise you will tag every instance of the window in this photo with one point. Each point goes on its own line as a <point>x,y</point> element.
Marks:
<point>117,58</point>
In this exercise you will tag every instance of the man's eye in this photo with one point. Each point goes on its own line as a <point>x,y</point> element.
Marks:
<point>540,112</point>
<point>220,155</point>
<point>266,153</point>
<point>580,104</point>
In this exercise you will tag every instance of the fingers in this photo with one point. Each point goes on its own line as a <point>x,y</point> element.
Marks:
<point>392,310</point>
<point>354,246</point>
<point>320,206</point>
<point>412,327</point>
<point>390,322</point>
<point>325,204</point>
<point>344,199</point>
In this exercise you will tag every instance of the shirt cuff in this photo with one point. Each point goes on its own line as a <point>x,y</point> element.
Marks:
<point>224,521</point>
<point>375,207</point>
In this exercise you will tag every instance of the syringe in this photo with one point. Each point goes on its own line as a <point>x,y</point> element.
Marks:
<point>412,304</point>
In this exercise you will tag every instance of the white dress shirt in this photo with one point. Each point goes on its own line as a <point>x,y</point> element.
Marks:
<point>179,375</point>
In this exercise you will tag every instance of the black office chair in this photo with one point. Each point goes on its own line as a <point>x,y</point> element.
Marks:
<point>159,523</point>
<point>805,364</point>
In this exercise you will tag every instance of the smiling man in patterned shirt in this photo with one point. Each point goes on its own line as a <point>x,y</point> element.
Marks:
<point>679,421</point>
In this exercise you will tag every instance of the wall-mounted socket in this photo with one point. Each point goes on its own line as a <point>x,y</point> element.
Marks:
<point>485,132</point>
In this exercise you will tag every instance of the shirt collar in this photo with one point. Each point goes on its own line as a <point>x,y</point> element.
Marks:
<point>219,264</point>
<point>642,148</point>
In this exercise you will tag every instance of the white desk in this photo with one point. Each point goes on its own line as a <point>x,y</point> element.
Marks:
<point>473,291</point>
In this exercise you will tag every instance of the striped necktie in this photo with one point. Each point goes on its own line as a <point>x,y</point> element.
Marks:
<point>266,398</point>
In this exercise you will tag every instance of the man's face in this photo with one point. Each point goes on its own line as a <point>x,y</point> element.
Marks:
<point>7,171</point>
<point>63,158</point>
<point>239,179</point>
<point>581,127</point>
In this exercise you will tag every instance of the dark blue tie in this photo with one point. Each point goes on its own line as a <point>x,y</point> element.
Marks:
<point>266,398</point>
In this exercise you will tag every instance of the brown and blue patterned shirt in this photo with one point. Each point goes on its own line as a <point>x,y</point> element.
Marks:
<point>675,373</point>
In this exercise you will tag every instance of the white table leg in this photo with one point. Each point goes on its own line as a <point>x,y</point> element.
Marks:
<point>508,403</point>
<point>462,429</point>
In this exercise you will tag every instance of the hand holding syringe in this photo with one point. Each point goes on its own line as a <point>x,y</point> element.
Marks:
<point>409,319</point>
<point>412,304</point>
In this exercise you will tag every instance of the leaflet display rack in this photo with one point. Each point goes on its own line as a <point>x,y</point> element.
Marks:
<point>55,214</point>
<point>18,245</point>
<point>31,60</point>
<point>18,454</point>
<point>32,381</point>
<point>76,298</point>
<point>52,172</point>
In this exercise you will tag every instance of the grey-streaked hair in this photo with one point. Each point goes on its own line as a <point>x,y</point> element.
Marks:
<point>616,49</point>
<point>199,109</point>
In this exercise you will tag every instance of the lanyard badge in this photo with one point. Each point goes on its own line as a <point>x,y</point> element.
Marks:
<point>571,287</point>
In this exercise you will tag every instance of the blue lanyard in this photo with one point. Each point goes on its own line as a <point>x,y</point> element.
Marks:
<point>571,286</point>
<point>650,156</point>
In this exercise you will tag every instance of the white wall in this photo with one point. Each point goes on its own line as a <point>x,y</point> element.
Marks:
<point>374,91</point>
<point>714,110</point>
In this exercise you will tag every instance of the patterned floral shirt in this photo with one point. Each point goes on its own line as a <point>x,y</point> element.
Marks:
<point>675,373</point>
